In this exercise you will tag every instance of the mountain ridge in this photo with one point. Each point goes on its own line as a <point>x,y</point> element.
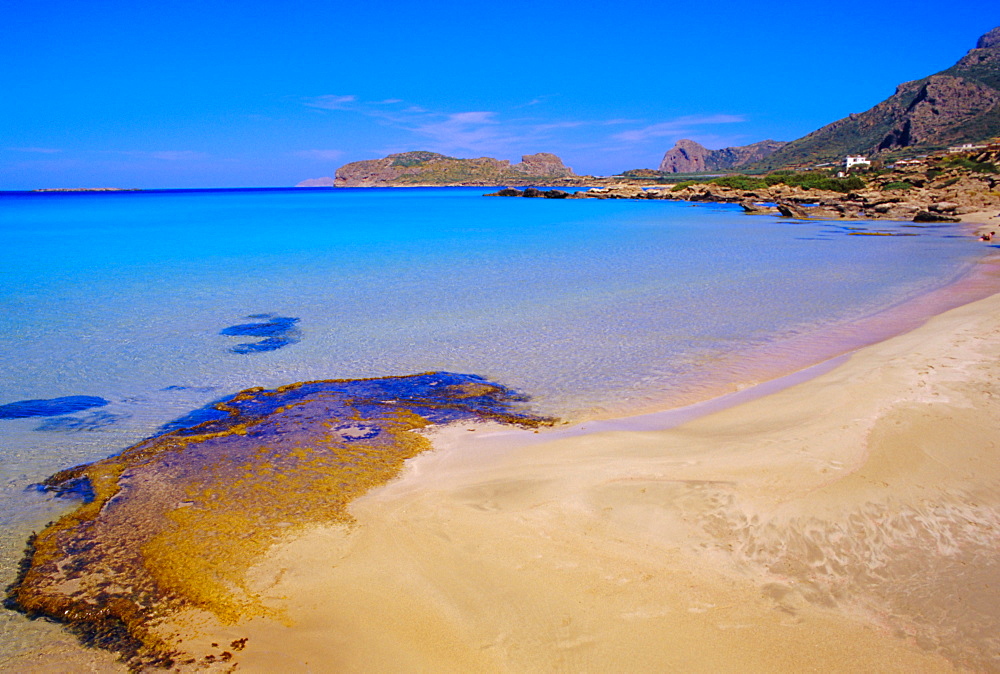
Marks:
<point>960,104</point>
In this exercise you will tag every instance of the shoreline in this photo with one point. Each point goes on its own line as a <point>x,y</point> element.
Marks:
<point>497,445</point>
<point>834,520</point>
<point>838,523</point>
<point>761,364</point>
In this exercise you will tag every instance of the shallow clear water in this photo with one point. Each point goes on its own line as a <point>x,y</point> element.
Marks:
<point>588,306</point>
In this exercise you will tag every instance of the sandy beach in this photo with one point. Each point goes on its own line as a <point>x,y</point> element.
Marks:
<point>842,518</point>
<point>848,522</point>
<point>379,361</point>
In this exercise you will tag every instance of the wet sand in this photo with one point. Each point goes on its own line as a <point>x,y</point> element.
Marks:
<point>847,523</point>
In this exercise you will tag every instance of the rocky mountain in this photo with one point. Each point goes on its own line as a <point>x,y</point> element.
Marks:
<point>431,168</point>
<point>958,105</point>
<point>687,156</point>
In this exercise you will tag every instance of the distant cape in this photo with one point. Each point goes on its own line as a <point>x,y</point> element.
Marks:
<point>430,168</point>
<point>316,182</point>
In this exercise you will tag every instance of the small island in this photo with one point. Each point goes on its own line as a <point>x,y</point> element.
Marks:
<point>422,168</point>
<point>88,189</point>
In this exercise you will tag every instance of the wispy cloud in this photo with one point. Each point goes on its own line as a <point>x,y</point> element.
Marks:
<point>178,155</point>
<point>448,132</point>
<point>326,155</point>
<point>37,150</point>
<point>331,102</point>
<point>538,100</point>
<point>514,130</point>
<point>681,125</point>
<point>462,131</point>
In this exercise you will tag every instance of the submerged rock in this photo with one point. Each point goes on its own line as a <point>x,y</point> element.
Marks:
<point>49,407</point>
<point>175,521</point>
<point>275,332</point>
<point>95,421</point>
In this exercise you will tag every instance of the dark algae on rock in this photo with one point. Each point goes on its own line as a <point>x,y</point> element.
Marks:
<point>174,522</point>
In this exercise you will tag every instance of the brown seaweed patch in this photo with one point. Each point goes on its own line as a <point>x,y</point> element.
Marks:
<point>176,520</point>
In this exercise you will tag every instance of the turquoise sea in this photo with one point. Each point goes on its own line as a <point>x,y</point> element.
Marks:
<point>160,302</point>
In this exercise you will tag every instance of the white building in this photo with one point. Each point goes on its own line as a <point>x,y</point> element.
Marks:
<point>967,147</point>
<point>856,160</point>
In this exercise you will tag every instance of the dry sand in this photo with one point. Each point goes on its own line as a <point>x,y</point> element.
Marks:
<point>850,522</point>
<point>984,221</point>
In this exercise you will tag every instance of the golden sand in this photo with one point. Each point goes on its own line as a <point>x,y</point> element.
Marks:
<point>847,523</point>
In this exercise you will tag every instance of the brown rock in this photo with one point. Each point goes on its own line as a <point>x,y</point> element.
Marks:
<point>790,210</point>
<point>927,216</point>
<point>543,164</point>
<point>616,192</point>
<point>687,156</point>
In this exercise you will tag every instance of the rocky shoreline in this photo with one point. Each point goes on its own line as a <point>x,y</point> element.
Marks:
<point>938,189</point>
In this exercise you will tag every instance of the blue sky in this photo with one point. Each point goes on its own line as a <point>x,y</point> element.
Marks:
<point>218,94</point>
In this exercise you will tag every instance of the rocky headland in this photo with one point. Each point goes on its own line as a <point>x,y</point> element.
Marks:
<point>941,188</point>
<point>410,169</point>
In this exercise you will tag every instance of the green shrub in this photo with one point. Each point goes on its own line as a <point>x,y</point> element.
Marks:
<point>820,180</point>
<point>972,165</point>
<point>897,185</point>
<point>739,182</point>
<point>416,158</point>
<point>816,180</point>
